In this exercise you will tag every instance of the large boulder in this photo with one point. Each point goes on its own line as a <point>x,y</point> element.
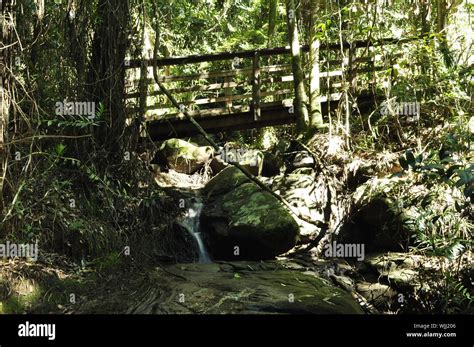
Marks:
<point>242,221</point>
<point>183,156</point>
<point>381,218</point>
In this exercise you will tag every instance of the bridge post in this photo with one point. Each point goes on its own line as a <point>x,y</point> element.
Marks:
<point>228,93</point>
<point>256,86</point>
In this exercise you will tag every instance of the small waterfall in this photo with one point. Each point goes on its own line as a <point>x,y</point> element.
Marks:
<point>192,223</point>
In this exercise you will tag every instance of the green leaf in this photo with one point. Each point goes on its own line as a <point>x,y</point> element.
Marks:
<point>60,149</point>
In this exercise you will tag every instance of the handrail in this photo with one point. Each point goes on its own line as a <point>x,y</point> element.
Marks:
<point>136,63</point>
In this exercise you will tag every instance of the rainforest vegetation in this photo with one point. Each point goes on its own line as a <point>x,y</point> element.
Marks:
<point>236,156</point>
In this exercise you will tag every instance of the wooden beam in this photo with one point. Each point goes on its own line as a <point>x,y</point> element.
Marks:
<point>272,114</point>
<point>208,101</point>
<point>199,88</point>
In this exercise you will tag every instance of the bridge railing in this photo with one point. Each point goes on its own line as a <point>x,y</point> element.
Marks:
<point>248,81</point>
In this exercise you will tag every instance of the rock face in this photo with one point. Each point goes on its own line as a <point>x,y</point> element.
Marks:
<point>243,222</point>
<point>381,221</point>
<point>313,197</point>
<point>183,156</point>
<point>241,288</point>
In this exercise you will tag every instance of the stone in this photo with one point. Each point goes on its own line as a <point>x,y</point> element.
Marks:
<point>378,294</point>
<point>397,267</point>
<point>241,221</point>
<point>182,156</point>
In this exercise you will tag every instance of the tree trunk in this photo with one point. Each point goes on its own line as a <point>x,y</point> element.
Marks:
<point>107,72</point>
<point>301,99</point>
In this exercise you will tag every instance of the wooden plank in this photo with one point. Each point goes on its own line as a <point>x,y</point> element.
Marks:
<point>332,97</point>
<point>371,69</point>
<point>216,74</point>
<point>198,88</point>
<point>330,73</point>
<point>206,101</point>
<point>243,120</point>
<point>273,114</point>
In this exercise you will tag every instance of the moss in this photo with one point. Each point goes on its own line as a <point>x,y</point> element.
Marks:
<point>238,212</point>
<point>108,263</point>
<point>225,181</point>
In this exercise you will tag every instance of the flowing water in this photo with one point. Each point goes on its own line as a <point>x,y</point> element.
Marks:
<point>192,224</point>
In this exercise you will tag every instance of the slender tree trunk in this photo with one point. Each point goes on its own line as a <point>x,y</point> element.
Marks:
<point>442,15</point>
<point>316,118</point>
<point>6,66</point>
<point>301,98</point>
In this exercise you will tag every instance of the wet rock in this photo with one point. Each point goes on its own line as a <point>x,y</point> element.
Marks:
<point>241,221</point>
<point>242,288</point>
<point>378,294</point>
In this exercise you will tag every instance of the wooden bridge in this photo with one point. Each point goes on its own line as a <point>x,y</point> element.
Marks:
<point>250,89</point>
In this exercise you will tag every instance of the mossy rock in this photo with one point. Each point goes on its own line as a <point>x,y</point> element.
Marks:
<point>183,156</point>
<point>242,221</point>
<point>227,180</point>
